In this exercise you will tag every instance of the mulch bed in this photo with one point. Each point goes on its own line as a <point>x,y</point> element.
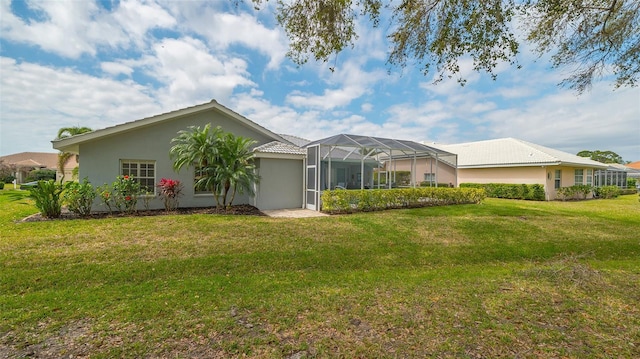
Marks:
<point>237,210</point>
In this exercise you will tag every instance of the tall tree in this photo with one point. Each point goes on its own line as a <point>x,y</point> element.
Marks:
<point>237,170</point>
<point>596,35</point>
<point>223,162</point>
<point>602,156</point>
<point>198,148</point>
<point>64,157</point>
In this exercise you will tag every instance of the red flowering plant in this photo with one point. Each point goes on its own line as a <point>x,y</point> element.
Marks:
<point>125,193</point>
<point>169,191</point>
<point>104,194</point>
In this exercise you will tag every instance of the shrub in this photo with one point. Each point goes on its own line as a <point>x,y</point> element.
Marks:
<point>47,197</point>
<point>125,194</point>
<point>170,190</point>
<point>7,178</point>
<point>607,192</point>
<point>79,197</point>
<point>631,182</point>
<point>104,194</point>
<point>347,201</point>
<point>1,185</point>
<point>41,175</point>
<point>579,191</point>
<point>533,192</point>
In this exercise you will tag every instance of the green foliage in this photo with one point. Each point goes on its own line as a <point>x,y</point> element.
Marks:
<point>125,192</point>
<point>223,162</point>
<point>602,156</point>
<point>348,201</point>
<point>47,197</point>
<point>533,192</point>
<point>631,182</point>
<point>7,172</point>
<point>578,191</point>
<point>104,194</point>
<point>607,192</point>
<point>79,197</point>
<point>41,175</point>
<point>593,37</point>
<point>1,185</point>
<point>500,280</point>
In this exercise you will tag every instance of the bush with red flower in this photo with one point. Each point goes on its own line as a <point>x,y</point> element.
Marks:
<point>125,192</point>
<point>169,190</point>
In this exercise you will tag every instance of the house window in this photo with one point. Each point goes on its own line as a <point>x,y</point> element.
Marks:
<point>198,173</point>
<point>558,176</point>
<point>589,177</point>
<point>579,176</point>
<point>429,177</point>
<point>142,171</point>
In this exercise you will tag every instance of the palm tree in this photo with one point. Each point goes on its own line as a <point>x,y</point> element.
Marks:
<point>198,147</point>
<point>64,157</point>
<point>223,162</point>
<point>237,171</point>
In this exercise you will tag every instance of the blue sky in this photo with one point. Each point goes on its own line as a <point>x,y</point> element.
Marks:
<point>97,64</point>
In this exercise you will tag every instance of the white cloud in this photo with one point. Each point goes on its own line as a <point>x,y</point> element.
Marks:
<point>73,28</point>
<point>191,74</point>
<point>223,30</point>
<point>48,98</point>
<point>354,82</point>
<point>115,68</point>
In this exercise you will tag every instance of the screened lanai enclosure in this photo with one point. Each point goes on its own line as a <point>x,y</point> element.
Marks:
<point>365,162</point>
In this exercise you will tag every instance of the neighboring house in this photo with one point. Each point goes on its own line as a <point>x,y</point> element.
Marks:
<point>26,162</point>
<point>509,160</point>
<point>141,149</point>
<point>634,172</point>
<point>635,165</point>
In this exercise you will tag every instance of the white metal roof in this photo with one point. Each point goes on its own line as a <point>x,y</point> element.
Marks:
<point>511,152</point>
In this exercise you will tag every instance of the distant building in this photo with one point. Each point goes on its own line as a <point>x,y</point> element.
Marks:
<point>26,162</point>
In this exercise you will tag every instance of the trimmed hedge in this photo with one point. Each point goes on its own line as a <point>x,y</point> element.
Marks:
<point>607,192</point>
<point>348,201</point>
<point>534,192</point>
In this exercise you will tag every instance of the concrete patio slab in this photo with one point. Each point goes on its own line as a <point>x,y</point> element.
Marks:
<point>293,213</point>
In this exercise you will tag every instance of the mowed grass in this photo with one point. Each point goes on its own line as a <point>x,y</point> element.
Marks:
<point>501,279</point>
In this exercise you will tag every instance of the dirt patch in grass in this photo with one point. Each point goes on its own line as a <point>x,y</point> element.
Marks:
<point>241,210</point>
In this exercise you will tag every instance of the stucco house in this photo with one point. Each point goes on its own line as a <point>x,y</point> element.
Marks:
<point>26,162</point>
<point>293,171</point>
<point>141,149</point>
<point>510,160</point>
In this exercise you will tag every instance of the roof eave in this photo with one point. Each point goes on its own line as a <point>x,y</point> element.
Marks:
<point>71,144</point>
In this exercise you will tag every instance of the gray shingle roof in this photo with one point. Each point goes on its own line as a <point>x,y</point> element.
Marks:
<point>280,148</point>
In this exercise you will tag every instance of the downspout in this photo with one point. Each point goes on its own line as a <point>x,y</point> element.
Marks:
<point>437,177</point>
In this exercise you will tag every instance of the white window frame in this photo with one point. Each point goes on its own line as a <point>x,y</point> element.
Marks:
<point>589,177</point>
<point>143,180</point>
<point>557,179</point>
<point>578,176</point>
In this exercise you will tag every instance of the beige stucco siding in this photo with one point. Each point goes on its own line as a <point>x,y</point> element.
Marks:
<point>445,173</point>
<point>281,182</point>
<point>515,175</point>
<point>100,158</point>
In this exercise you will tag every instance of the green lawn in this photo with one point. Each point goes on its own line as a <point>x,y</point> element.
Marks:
<point>501,279</point>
